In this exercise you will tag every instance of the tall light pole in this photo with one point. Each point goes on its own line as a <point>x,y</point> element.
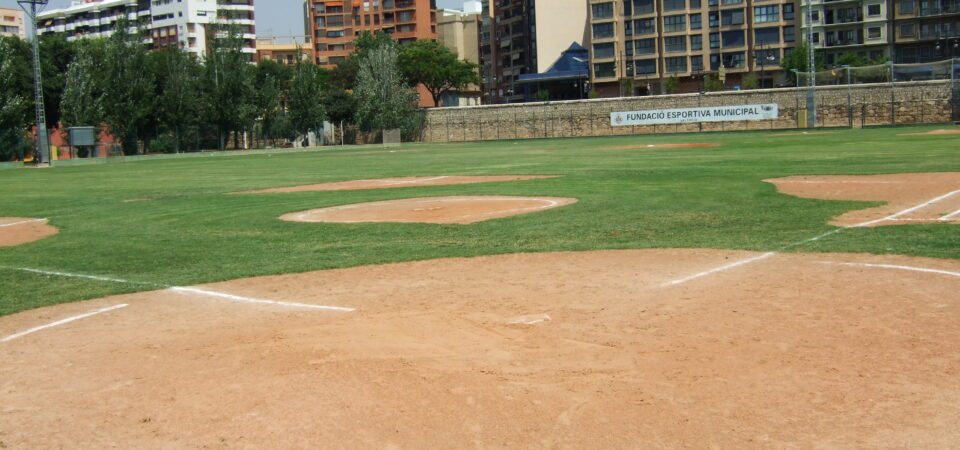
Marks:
<point>41,152</point>
<point>811,69</point>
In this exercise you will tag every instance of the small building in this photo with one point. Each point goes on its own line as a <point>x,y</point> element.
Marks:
<point>11,23</point>
<point>460,32</point>
<point>566,79</point>
<point>285,53</point>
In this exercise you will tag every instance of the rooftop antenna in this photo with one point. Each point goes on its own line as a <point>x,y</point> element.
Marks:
<point>41,154</point>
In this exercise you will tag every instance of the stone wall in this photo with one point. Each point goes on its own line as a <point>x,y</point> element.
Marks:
<point>837,106</point>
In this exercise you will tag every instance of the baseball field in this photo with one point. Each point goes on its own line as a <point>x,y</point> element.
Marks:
<point>753,289</point>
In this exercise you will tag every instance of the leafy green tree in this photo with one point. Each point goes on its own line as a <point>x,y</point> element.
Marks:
<point>82,103</point>
<point>179,91</point>
<point>798,60</point>
<point>749,82</point>
<point>438,69</point>
<point>344,75</point>
<point>56,53</point>
<point>128,93</point>
<point>272,83</point>
<point>671,84</point>
<point>712,83</point>
<point>229,83</point>
<point>15,87</point>
<point>305,106</point>
<point>341,106</point>
<point>383,99</point>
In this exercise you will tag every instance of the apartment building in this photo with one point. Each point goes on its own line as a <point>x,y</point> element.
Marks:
<point>637,44</point>
<point>507,48</point>
<point>12,24</point>
<point>460,32</point>
<point>925,30</point>
<point>286,50</point>
<point>181,23</point>
<point>333,24</point>
<point>848,26</point>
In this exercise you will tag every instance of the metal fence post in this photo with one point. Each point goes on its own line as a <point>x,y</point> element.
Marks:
<point>893,97</point>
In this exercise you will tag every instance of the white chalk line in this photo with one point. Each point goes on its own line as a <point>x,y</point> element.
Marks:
<point>240,299</point>
<point>951,215</point>
<point>63,321</point>
<point>22,222</point>
<point>205,292</point>
<point>813,239</point>
<point>895,266</point>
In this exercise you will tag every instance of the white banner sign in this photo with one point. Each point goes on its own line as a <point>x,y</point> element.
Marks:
<point>688,115</point>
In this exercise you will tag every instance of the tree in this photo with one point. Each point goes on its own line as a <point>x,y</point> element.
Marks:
<point>340,105</point>
<point>749,82</point>
<point>82,103</point>
<point>128,94</point>
<point>229,83</point>
<point>344,75</point>
<point>179,90</point>
<point>438,69</point>
<point>383,99</point>
<point>798,60</point>
<point>671,84</point>
<point>56,53</point>
<point>712,83</point>
<point>15,86</point>
<point>272,83</point>
<point>305,105</point>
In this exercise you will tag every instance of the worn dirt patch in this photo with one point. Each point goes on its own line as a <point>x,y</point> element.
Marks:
<point>20,230</point>
<point>691,145</point>
<point>456,209</point>
<point>932,133</point>
<point>804,133</point>
<point>384,183</point>
<point>900,191</point>
<point>562,350</point>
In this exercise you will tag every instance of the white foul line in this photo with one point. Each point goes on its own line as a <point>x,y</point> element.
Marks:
<point>77,275</point>
<point>237,298</point>
<point>906,211</point>
<point>720,269</point>
<point>22,222</point>
<point>892,266</point>
<point>63,321</point>
<point>951,215</point>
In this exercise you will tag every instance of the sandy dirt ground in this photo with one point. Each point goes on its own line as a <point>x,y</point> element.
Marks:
<point>21,230</point>
<point>937,196</point>
<point>690,145</point>
<point>552,350</point>
<point>804,133</point>
<point>455,209</point>
<point>932,133</point>
<point>383,183</point>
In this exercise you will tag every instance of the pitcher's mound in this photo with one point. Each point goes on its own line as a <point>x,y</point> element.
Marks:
<point>931,133</point>
<point>19,230</point>
<point>462,210</point>
<point>398,183</point>
<point>938,195</point>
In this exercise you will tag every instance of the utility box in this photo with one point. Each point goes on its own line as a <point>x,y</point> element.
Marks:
<point>82,136</point>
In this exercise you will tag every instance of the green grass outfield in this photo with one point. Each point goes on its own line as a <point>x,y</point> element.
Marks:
<point>192,233</point>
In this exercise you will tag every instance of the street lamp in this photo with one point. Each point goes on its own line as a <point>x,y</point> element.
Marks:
<point>762,56</point>
<point>41,152</point>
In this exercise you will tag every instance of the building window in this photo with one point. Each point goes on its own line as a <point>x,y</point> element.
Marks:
<point>788,11</point>
<point>646,66</point>
<point>628,28</point>
<point>645,26</point>
<point>696,63</point>
<point>675,44</point>
<point>763,14</point>
<point>714,19</point>
<point>646,46</point>
<point>714,40</point>
<point>674,5</point>
<point>676,65</point>
<point>873,10</point>
<point>602,10</point>
<point>674,23</point>
<point>908,30</point>
<point>604,70</point>
<point>731,17</point>
<point>603,51</point>
<point>642,6</point>
<point>873,33</point>
<point>769,35</point>
<point>906,6</point>
<point>733,39</point>
<point>733,60</point>
<point>696,42</point>
<point>789,34</point>
<point>603,30</point>
<point>695,19</point>
<point>694,4</point>
<point>732,2</point>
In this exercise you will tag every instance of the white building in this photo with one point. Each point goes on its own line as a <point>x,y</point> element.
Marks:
<point>182,23</point>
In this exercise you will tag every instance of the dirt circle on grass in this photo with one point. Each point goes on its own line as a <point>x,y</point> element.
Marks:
<point>570,350</point>
<point>688,145</point>
<point>21,230</point>
<point>932,133</point>
<point>383,183</point>
<point>936,196</point>
<point>442,210</point>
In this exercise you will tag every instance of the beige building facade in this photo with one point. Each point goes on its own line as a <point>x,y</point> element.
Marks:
<point>12,23</point>
<point>460,32</point>
<point>559,23</point>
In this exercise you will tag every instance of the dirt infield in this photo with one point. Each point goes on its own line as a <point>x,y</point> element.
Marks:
<point>804,133</point>
<point>383,183</point>
<point>456,209</point>
<point>692,145</point>
<point>932,133</point>
<point>575,350</point>
<point>20,230</point>
<point>936,194</point>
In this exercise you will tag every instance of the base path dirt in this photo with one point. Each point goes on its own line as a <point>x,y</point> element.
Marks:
<point>932,133</point>
<point>21,230</point>
<point>384,183</point>
<point>691,145</point>
<point>910,197</point>
<point>457,209</point>
<point>552,350</point>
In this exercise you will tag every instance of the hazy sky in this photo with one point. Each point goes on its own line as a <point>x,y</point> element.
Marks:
<point>274,17</point>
